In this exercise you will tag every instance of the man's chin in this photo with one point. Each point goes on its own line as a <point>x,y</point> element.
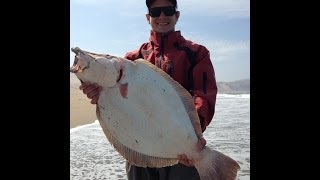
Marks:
<point>163,31</point>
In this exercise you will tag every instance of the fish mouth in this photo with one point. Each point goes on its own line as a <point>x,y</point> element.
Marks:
<point>75,68</point>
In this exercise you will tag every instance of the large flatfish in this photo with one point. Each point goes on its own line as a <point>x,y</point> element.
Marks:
<point>148,117</point>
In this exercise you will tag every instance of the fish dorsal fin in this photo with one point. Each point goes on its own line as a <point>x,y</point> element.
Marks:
<point>185,96</point>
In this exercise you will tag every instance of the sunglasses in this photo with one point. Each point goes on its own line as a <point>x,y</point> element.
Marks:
<point>167,10</point>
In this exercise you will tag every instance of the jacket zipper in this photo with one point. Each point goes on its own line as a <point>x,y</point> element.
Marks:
<point>169,66</point>
<point>161,51</point>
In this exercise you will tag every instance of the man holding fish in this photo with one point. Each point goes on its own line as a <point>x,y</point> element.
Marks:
<point>186,62</point>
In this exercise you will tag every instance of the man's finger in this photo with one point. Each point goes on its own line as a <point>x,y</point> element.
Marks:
<point>83,85</point>
<point>94,100</point>
<point>91,93</point>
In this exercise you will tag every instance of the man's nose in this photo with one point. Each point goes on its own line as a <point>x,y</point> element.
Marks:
<point>162,14</point>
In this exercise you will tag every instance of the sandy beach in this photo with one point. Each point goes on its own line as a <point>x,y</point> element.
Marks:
<point>81,110</point>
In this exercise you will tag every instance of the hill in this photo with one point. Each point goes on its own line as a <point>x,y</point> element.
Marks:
<point>234,87</point>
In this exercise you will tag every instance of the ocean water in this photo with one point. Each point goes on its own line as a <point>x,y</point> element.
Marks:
<point>93,157</point>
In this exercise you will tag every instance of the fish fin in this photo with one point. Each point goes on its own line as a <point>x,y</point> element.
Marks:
<point>215,165</point>
<point>134,157</point>
<point>185,96</point>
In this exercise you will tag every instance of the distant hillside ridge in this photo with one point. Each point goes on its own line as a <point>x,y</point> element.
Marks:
<point>234,87</point>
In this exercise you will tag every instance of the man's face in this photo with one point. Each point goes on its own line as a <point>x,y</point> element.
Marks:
<point>163,23</point>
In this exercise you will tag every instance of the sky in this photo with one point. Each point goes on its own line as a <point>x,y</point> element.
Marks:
<point>117,27</point>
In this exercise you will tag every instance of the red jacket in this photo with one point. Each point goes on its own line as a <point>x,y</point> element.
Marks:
<point>186,62</point>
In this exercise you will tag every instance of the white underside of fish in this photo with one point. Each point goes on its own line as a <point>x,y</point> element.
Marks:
<point>152,119</point>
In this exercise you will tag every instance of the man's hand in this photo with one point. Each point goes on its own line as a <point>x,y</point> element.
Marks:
<point>183,159</point>
<point>91,90</point>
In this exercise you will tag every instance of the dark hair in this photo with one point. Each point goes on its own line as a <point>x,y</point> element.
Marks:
<point>150,2</point>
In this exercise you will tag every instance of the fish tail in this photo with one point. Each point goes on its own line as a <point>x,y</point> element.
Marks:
<point>216,166</point>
